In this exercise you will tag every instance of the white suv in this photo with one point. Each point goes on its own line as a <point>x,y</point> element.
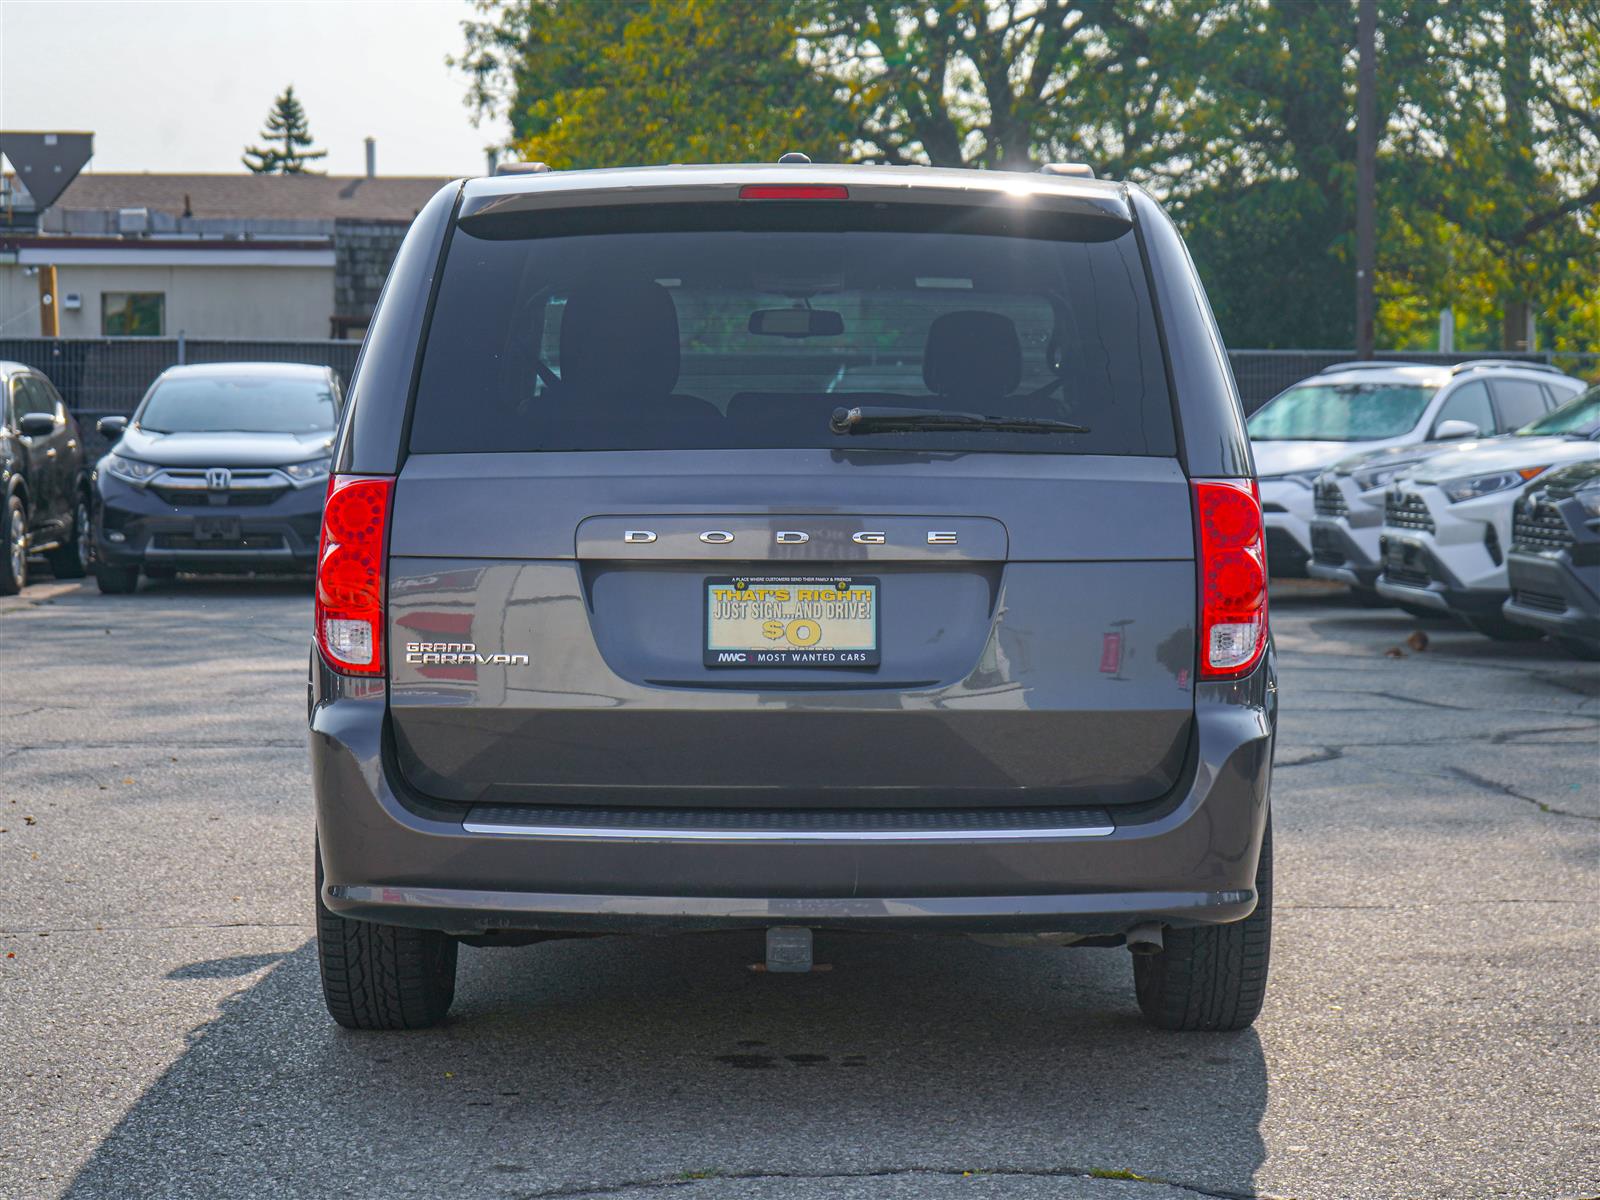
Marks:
<point>1447,526</point>
<point>1366,406</point>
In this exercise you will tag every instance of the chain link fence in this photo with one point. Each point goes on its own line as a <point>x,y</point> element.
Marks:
<point>103,376</point>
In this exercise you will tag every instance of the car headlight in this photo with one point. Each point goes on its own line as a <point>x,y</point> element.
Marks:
<point>316,468</point>
<point>1474,486</point>
<point>130,469</point>
<point>1372,478</point>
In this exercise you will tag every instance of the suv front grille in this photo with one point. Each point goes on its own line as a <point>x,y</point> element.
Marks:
<point>1543,601</point>
<point>1407,511</point>
<point>1539,526</point>
<point>1407,576</point>
<point>250,541</point>
<point>195,498</point>
<point>1329,499</point>
<point>1325,547</point>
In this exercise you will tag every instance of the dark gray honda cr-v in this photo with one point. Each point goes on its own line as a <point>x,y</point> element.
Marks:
<point>790,548</point>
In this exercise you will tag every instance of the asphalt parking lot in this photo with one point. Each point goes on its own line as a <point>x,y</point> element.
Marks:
<point>1430,1030</point>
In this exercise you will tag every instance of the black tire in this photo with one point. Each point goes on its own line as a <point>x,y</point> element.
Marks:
<point>1213,977</point>
<point>116,581</point>
<point>70,560</point>
<point>383,976</point>
<point>1580,648</point>
<point>13,547</point>
<point>1497,627</point>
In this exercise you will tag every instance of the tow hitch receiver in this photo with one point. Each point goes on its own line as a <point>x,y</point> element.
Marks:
<point>789,948</point>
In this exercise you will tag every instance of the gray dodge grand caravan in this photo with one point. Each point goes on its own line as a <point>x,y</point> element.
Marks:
<point>786,548</point>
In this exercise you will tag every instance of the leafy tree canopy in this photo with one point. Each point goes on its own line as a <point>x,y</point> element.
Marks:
<point>1238,114</point>
<point>288,140</point>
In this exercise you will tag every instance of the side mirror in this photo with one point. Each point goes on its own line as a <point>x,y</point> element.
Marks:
<point>36,424</point>
<point>796,322</point>
<point>1447,430</point>
<point>111,428</point>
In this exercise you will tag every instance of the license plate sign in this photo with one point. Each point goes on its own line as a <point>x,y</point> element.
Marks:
<point>216,529</point>
<point>793,621</point>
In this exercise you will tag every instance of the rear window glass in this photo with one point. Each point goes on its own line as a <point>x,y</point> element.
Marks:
<point>690,338</point>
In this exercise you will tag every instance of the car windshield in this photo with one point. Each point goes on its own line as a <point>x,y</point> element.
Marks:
<point>1580,416</point>
<point>652,330</point>
<point>1341,412</point>
<point>240,404</point>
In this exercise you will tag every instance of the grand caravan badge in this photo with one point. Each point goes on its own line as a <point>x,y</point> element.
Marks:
<point>458,654</point>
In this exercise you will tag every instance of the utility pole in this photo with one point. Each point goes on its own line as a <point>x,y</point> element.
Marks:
<point>1366,172</point>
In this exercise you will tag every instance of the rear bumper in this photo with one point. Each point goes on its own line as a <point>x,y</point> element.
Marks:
<point>393,857</point>
<point>135,528</point>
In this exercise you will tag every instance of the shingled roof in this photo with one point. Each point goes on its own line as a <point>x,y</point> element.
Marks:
<point>254,197</point>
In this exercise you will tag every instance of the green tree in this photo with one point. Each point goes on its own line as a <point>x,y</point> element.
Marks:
<point>597,83</point>
<point>286,125</point>
<point>1238,114</point>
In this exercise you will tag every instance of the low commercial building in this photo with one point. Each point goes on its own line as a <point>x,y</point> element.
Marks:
<point>206,256</point>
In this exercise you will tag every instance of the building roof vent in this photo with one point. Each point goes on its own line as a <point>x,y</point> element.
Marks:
<point>132,222</point>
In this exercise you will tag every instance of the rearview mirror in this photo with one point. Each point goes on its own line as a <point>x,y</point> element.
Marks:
<point>1456,429</point>
<point>36,424</point>
<point>111,427</point>
<point>796,322</point>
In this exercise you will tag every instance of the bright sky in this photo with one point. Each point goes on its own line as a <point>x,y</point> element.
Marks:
<point>185,85</point>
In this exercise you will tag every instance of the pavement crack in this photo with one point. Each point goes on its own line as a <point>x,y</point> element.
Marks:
<point>1506,790</point>
<point>690,1179</point>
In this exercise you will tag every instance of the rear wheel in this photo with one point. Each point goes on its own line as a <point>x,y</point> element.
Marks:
<point>1582,648</point>
<point>14,551</point>
<point>116,581</point>
<point>1494,625</point>
<point>70,560</point>
<point>1213,977</point>
<point>383,976</point>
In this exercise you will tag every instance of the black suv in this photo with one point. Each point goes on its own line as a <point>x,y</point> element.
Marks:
<point>43,499</point>
<point>793,547</point>
<point>222,467</point>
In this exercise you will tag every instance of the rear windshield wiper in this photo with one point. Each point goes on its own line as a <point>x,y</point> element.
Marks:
<point>902,420</point>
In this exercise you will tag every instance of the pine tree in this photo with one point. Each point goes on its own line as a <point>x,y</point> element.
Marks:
<point>286,124</point>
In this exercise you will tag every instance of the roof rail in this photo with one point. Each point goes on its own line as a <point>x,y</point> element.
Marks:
<point>1368,364</point>
<point>1081,170</point>
<point>1503,363</point>
<point>521,168</point>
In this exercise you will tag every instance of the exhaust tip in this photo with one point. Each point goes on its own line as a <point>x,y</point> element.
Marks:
<point>1144,939</point>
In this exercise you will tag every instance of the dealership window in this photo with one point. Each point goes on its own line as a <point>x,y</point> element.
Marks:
<point>133,314</point>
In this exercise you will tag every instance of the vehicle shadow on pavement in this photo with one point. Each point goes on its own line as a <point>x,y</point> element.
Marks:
<point>582,1064</point>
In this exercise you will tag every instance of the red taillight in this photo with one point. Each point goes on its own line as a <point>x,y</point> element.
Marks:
<point>793,191</point>
<point>1233,576</point>
<point>350,574</point>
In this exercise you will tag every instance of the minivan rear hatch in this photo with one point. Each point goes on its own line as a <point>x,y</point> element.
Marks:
<point>641,555</point>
